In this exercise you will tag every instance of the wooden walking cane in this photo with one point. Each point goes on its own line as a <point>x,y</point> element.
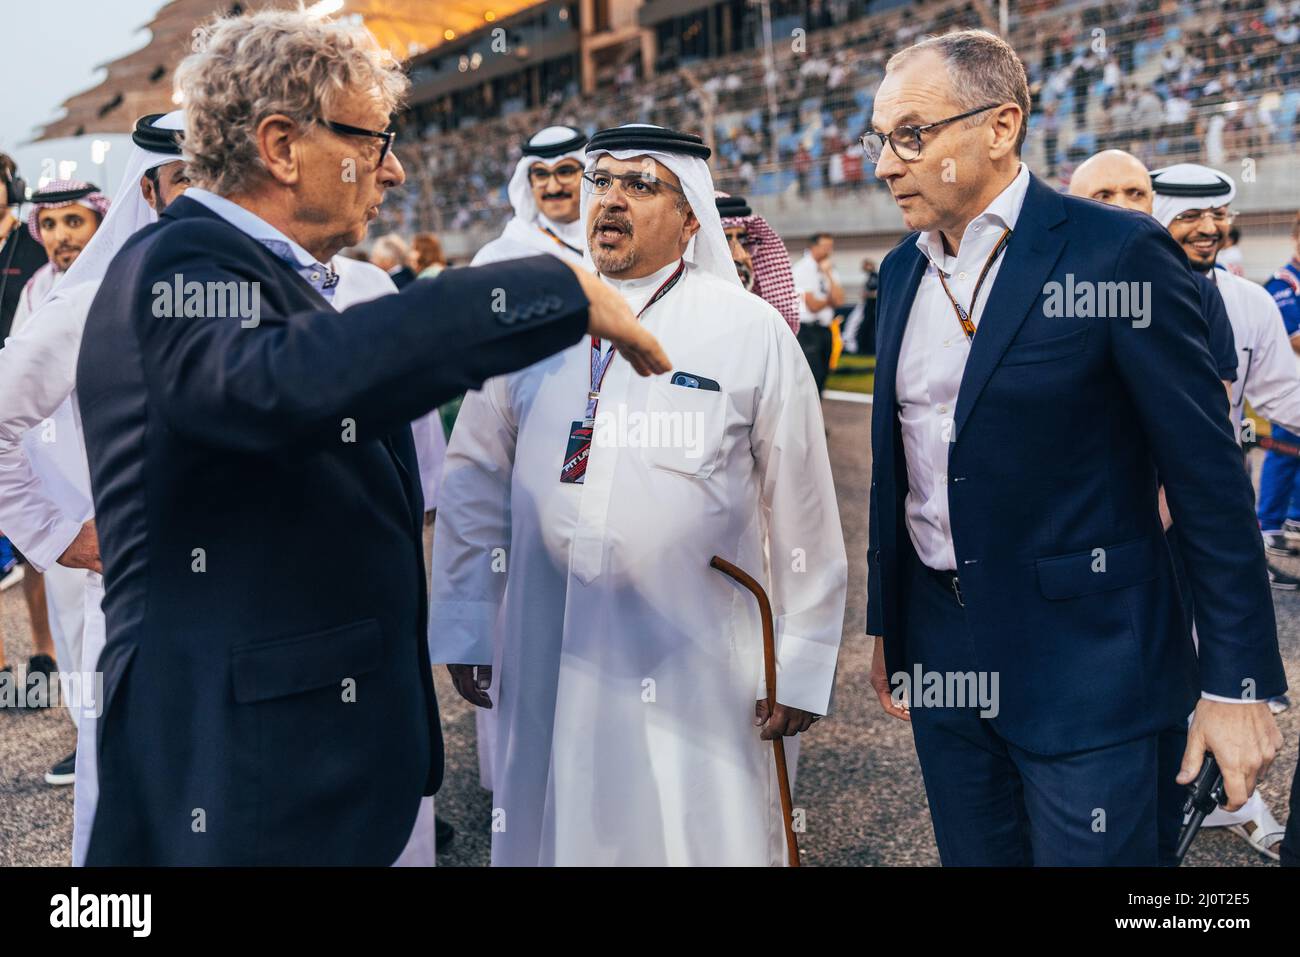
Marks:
<point>769,671</point>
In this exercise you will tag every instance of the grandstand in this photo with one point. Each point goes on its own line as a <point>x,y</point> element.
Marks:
<point>1195,81</point>
<point>781,89</point>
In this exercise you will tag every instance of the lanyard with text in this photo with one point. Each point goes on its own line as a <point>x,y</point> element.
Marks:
<point>600,363</point>
<point>550,232</point>
<point>578,450</point>
<point>964,317</point>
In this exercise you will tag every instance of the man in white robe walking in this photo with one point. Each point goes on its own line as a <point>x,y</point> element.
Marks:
<point>628,674</point>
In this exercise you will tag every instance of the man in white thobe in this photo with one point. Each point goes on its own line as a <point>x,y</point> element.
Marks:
<point>629,674</point>
<point>64,218</point>
<point>45,502</point>
<point>544,192</point>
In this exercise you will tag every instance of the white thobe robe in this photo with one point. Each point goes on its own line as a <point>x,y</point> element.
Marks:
<point>628,668</point>
<point>1266,366</point>
<point>45,488</point>
<point>521,238</point>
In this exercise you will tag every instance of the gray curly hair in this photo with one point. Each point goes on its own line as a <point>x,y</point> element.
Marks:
<point>246,68</point>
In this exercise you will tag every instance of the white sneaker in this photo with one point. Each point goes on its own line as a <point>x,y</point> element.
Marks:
<point>1291,529</point>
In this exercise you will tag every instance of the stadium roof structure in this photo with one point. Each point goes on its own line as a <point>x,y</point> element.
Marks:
<point>141,82</point>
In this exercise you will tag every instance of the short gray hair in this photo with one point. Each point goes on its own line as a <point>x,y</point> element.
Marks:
<point>391,246</point>
<point>983,69</point>
<point>246,68</point>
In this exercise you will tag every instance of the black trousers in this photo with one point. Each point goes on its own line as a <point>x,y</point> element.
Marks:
<point>816,342</point>
<point>1290,849</point>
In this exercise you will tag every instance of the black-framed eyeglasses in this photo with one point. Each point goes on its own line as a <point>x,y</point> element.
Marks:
<point>566,174</point>
<point>906,140</point>
<point>387,136</point>
<point>635,185</point>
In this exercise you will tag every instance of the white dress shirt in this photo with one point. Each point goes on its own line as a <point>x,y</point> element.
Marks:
<point>931,363</point>
<point>1267,374</point>
<point>808,277</point>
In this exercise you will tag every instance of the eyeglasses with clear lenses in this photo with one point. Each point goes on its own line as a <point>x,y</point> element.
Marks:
<point>566,174</point>
<point>635,186</point>
<point>1218,216</point>
<point>906,140</point>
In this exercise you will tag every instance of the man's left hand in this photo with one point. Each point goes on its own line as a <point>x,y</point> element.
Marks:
<point>1244,740</point>
<point>783,721</point>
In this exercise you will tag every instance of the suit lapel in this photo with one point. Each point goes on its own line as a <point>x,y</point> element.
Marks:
<point>399,445</point>
<point>893,323</point>
<point>1030,256</point>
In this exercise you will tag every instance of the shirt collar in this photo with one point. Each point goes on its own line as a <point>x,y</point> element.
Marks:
<point>638,291</point>
<point>651,282</point>
<point>1003,213</point>
<point>250,224</point>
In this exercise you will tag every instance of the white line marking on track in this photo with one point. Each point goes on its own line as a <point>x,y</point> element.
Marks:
<point>847,396</point>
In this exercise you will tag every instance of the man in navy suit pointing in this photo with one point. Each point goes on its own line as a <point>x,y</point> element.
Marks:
<point>1041,371</point>
<point>260,707</point>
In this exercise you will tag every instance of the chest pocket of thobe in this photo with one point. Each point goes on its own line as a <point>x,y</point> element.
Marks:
<point>684,430</point>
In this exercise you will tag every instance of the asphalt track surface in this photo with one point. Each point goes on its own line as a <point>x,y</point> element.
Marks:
<point>858,782</point>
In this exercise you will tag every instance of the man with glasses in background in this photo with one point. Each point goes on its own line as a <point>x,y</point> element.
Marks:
<point>545,193</point>
<point>1018,441</point>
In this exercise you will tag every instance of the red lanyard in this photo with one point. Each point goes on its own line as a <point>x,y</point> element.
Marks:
<point>964,317</point>
<point>600,364</point>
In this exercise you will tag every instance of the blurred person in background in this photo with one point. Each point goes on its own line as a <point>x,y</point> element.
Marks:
<point>1279,478</point>
<point>391,254</point>
<point>820,294</point>
<point>429,260</point>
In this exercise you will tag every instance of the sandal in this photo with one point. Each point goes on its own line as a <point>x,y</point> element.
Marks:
<point>1264,837</point>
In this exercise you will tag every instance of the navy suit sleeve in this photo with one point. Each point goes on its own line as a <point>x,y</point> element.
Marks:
<point>1223,345</point>
<point>875,606</point>
<point>295,378</point>
<point>1175,389</point>
<point>875,621</point>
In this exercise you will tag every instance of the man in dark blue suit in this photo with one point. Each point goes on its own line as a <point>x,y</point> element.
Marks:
<point>1041,369</point>
<point>259,706</point>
